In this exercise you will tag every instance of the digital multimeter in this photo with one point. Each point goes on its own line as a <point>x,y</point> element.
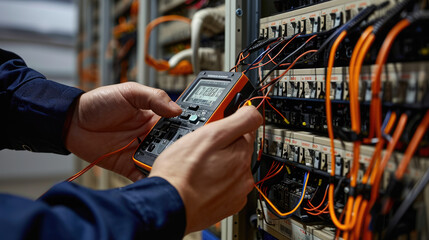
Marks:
<point>213,95</point>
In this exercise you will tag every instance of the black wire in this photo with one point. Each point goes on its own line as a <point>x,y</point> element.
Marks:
<point>246,49</point>
<point>273,47</point>
<point>262,44</point>
<point>351,24</point>
<point>390,16</point>
<point>263,212</point>
<point>411,197</point>
<point>256,167</point>
<point>281,62</point>
<point>361,16</point>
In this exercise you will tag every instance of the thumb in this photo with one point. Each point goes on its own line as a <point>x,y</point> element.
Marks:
<point>154,99</point>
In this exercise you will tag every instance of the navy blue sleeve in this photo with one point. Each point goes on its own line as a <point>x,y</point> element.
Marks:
<point>33,108</point>
<point>148,209</point>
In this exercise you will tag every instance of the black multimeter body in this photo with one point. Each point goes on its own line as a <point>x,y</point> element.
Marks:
<point>213,95</point>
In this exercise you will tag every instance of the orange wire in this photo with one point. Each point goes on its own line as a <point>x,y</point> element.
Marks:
<point>160,65</point>
<point>366,42</point>
<point>290,66</point>
<point>263,100</point>
<point>319,212</point>
<point>272,58</point>
<point>358,66</point>
<point>375,112</point>
<point>270,176</point>
<point>78,174</point>
<point>274,207</point>
<point>390,147</point>
<point>363,211</point>
<point>267,53</point>
<point>240,59</point>
<point>275,109</point>
<point>377,173</point>
<point>355,107</point>
<point>346,226</point>
<point>321,203</point>
<point>337,234</point>
<point>420,131</point>
<point>376,82</point>
<point>361,214</point>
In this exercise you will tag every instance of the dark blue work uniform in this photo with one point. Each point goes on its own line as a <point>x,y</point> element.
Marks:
<point>33,112</point>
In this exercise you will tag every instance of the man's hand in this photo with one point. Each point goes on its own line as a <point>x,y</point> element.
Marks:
<point>210,168</point>
<point>108,118</point>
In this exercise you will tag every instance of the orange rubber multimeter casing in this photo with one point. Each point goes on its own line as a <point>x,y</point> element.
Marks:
<point>213,95</point>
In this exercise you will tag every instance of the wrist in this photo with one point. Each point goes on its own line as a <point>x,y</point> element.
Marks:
<point>69,119</point>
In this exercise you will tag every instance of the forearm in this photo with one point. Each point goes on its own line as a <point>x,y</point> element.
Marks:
<point>148,209</point>
<point>34,110</point>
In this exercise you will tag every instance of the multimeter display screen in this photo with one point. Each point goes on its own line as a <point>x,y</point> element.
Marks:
<point>206,92</point>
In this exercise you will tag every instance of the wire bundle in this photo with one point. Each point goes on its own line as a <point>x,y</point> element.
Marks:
<point>356,216</point>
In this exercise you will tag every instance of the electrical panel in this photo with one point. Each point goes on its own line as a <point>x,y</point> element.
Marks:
<point>343,88</point>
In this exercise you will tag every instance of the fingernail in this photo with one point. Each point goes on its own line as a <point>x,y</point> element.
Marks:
<point>174,106</point>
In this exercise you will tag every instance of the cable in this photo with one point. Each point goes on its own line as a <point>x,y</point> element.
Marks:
<point>354,83</point>
<point>412,146</point>
<point>210,20</point>
<point>377,174</point>
<point>240,58</point>
<point>375,116</point>
<point>284,60</point>
<point>92,164</point>
<point>273,81</point>
<point>338,224</point>
<point>278,53</point>
<point>375,107</point>
<point>406,203</point>
<point>260,57</point>
<point>321,203</point>
<point>159,65</point>
<point>352,23</point>
<point>287,214</point>
<point>271,173</point>
<point>275,109</point>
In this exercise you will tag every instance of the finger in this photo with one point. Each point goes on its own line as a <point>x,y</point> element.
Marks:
<point>157,100</point>
<point>225,131</point>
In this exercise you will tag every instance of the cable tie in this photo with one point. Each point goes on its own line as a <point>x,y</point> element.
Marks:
<point>352,191</point>
<point>331,179</point>
<point>366,191</point>
<point>347,135</point>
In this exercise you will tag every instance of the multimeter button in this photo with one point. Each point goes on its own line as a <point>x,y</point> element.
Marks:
<point>193,107</point>
<point>170,135</point>
<point>162,146</point>
<point>145,143</point>
<point>161,134</point>
<point>149,138</point>
<point>175,121</point>
<point>203,119</point>
<point>185,116</point>
<point>164,126</point>
<point>193,119</point>
<point>151,147</point>
<point>157,133</point>
<point>157,140</point>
